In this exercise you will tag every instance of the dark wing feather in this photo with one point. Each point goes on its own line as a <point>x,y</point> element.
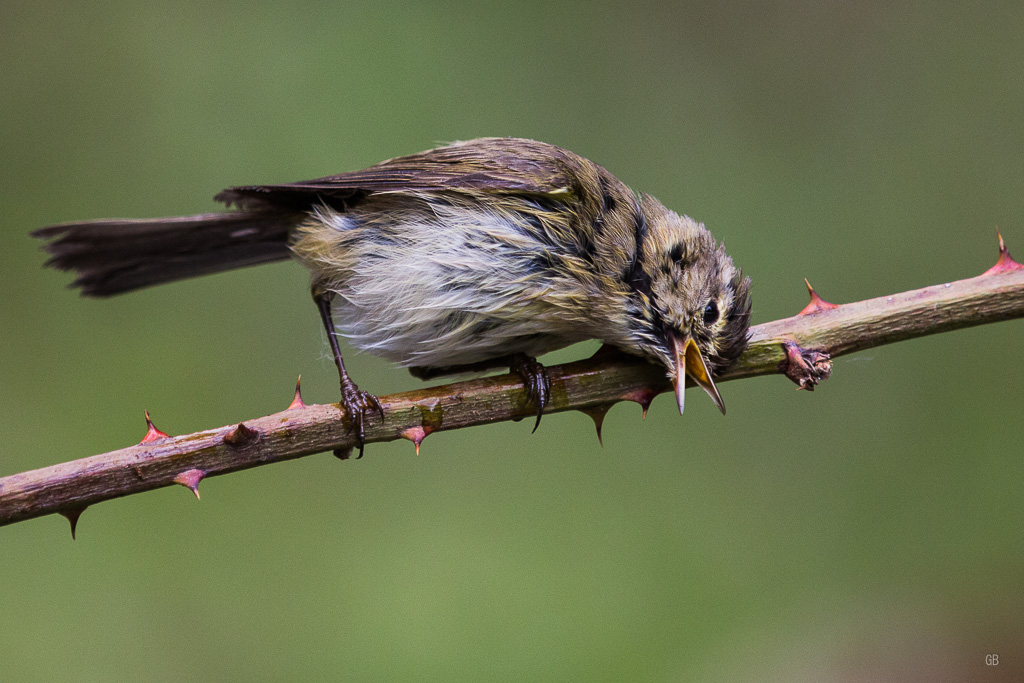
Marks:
<point>500,165</point>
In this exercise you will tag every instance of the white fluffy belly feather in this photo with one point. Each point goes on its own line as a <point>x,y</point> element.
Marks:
<point>438,287</point>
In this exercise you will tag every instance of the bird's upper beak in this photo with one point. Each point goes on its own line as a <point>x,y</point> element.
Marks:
<point>690,361</point>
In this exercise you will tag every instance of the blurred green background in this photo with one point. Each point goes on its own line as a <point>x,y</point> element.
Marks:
<point>870,530</point>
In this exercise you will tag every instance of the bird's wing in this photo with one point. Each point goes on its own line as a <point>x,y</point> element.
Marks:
<point>498,165</point>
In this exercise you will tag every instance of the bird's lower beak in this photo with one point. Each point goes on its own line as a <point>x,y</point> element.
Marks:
<point>690,361</point>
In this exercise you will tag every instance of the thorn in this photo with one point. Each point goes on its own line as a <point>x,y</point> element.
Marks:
<point>152,433</point>
<point>817,304</point>
<point>431,419</point>
<point>597,414</point>
<point>297,401</point>
<point>72,514</point>
<point>417,434</point>
<point>241,436</point>
<point>643,396</point>
<point>190,479</point>
<point>1005,262</point>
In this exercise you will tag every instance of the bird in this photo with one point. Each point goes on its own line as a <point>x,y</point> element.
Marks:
<point>471,256</point>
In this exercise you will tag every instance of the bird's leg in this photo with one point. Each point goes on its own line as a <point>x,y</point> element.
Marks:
<point>433,372</point>
<point>355,401</point>
<point>609,352</point>
<point>535,378</point>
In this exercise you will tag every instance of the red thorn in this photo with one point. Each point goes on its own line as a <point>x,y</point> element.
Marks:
<point>241,436</point>
<point>643,396</point>
<point>72,514</point>
<point>817,304</point>
<point>152,433</point>
<point>1005,262</point>
<point>597,414</point>
<point>297,401</point>
<point>190,479</point>
<point>417,434</point>
<point>432,417</point>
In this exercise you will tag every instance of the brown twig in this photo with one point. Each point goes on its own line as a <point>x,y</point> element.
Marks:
<point>800,347</point>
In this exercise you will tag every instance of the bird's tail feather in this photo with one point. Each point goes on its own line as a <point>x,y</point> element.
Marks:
<point>115,256</point>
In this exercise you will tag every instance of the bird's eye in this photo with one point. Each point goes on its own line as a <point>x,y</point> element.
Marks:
<point>711,313</point>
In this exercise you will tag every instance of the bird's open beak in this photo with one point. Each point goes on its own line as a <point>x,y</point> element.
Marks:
<point>689,361</point>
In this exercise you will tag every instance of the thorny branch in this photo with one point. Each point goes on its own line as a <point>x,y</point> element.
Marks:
<point>800,347</point>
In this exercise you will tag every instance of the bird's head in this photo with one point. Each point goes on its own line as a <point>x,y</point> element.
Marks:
<point>691,305</point>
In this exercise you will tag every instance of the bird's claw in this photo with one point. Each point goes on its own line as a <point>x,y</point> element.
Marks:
<point>535,379</point>
<point>356,403</point>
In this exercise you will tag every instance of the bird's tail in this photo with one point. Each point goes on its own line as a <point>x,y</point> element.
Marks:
<point>114,256</point>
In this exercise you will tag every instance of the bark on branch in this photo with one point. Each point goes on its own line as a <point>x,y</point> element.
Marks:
<point>799,347</point>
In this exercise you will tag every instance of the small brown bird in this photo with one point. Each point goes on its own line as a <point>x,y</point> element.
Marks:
<point>476,255</point>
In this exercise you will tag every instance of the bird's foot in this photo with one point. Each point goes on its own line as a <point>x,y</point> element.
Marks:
<point>356,404</point>
<point>535,379</point>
